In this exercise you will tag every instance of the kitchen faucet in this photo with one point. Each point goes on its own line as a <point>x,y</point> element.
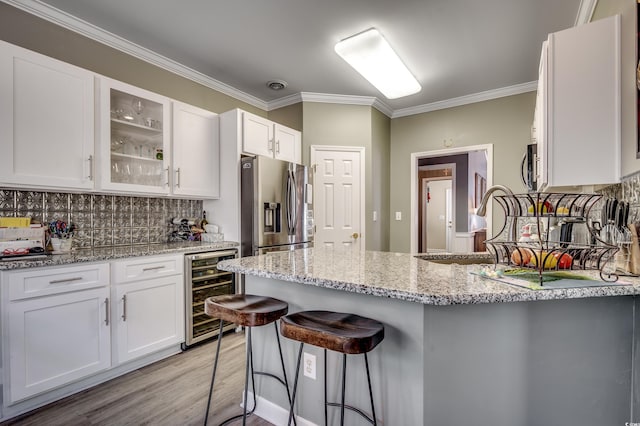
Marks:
<point>482,207</point>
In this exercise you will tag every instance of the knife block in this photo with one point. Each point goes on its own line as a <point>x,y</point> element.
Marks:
<point>634,257</point>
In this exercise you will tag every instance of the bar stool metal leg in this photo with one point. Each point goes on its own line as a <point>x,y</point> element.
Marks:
<point>325,389</point>
<point>249,361</point>
<point>284,371</point>
<point>295,384</point>
<point>344,385</point>
<point>373,409</point>
<point>213,376</point>
<point>343,405</point>
<point>248,368</point>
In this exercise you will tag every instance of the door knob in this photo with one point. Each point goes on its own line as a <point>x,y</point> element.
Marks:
<point>355,235</point>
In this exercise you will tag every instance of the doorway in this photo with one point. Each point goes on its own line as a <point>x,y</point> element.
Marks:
<point>435,208</point>
<point>479,160</point>
<point>338,195</point>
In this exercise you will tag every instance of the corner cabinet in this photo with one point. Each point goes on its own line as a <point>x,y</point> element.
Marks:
<point>578,116</point>
<point>196,152</point>
<point>46,121</point>
<point>134,135</point>
<point>264,137</point>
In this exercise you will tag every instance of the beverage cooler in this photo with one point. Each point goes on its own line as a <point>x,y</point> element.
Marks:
<point>203,280</point>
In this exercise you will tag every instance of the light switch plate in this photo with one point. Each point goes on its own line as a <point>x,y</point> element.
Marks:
<point>398,215</point>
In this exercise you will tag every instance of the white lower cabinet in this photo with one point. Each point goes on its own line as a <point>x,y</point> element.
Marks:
<point>148,308</point>
<point>149,315</point>
<point>55,339</point>
<point>62,325</point>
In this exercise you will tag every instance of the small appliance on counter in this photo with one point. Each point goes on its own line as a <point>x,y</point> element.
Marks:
<point>276,198</point>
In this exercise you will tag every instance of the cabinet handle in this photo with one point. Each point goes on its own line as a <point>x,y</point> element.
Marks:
<point>124,307</point>
<point>153,268</point>
<point>167,170</point>
<point>65,280</point>
<point>270,145</point>
<point>277,147</point>
<point>178,177</point>
<point>90,159</point>
<point>106,311</point>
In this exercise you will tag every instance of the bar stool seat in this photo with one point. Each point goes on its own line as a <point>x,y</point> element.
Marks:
<point>248,311</point>
<point>336,331</point>
<point>340,332</point>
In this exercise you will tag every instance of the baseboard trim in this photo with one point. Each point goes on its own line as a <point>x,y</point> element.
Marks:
<point>274,413</point>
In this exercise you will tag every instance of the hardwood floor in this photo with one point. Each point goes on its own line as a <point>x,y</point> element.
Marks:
<point>170,392</point>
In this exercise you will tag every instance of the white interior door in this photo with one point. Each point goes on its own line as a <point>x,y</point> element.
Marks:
<point>338,196</point>
<point>438,217</point>
<point>449,218</point>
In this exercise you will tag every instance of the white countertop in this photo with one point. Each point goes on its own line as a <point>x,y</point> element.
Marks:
<point>402,276</point>
<point>115,252</point>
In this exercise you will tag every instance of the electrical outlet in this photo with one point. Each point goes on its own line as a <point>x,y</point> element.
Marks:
<point>309,365</point>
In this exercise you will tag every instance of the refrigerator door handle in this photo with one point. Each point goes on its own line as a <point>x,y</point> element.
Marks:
<point>291,203</point>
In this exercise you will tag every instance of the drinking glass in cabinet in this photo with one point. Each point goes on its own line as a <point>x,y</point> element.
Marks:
<point>138,107</point>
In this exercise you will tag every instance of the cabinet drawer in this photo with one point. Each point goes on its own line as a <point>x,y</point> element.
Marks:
<point>46,281</point>
<point>147,267</point>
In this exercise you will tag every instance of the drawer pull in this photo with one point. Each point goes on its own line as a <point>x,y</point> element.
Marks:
<point>106,311</point>
<point>124,307</point>
<point>153,268</point>
<point>66,280</point>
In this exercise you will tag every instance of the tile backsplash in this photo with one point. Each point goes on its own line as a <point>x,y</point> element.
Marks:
<point>102,220</point>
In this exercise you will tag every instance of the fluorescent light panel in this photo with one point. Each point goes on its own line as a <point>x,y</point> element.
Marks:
<point>372,56</point>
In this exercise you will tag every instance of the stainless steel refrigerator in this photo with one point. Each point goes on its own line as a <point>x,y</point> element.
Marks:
<point>277,208</point>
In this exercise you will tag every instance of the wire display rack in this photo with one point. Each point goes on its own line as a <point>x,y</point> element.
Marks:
<point>551,232</point>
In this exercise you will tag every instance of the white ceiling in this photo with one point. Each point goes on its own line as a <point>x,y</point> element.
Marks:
<point>454,47</point>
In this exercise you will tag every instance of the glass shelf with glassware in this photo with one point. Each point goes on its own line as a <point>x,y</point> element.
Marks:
<point>550,232</point>
<point>134,138</point>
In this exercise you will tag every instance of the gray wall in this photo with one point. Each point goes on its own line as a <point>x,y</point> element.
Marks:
<point>361,126</point>
<point>505,123</point>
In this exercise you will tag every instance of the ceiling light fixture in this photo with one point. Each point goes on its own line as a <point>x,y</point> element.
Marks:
<point>276,84</point>
<point>372,56</point>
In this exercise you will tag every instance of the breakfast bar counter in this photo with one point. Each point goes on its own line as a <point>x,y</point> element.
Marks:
<point>454,351</point>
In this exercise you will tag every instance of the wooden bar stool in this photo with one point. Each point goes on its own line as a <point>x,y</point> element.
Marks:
<point>339,332</point>
<point>249,311</point>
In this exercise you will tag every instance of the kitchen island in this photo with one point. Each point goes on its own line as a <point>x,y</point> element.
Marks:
<point>455,352</point>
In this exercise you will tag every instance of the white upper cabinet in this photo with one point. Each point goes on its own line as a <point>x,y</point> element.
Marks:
<point>46,121</point>
<point>288,144</point>
<point>264,137</point>
<point>580,115</point>
<point>134,134</point>
<point>196,152</point>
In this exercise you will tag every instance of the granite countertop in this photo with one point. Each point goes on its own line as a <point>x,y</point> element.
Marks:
<point>403,276</point>
<point>116,252</point>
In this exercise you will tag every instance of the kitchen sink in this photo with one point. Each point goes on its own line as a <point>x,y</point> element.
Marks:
<point>458,259</point>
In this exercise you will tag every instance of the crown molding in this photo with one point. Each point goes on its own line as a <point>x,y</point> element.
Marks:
<point>585,11</point>
<point>93,32</point>
<point>63,19</point>
<point>285,101</point>
<point>468,99</point>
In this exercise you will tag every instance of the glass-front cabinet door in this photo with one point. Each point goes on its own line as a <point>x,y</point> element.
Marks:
<point>134,139</point>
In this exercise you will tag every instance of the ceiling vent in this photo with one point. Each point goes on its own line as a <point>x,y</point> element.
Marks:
<point>276,84</point>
